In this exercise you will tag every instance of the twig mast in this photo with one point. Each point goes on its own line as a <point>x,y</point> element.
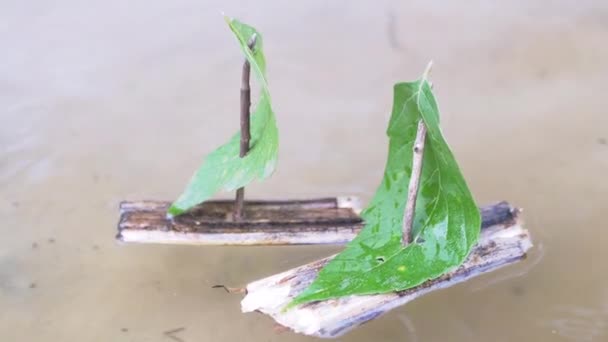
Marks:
<point>412,191</point>
<point>245,126</point>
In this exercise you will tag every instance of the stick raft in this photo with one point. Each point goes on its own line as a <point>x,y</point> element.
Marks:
<point>503,241</point>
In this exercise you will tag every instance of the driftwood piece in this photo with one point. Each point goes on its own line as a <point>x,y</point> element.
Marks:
<point>503,241</point>
<point>313,221</point>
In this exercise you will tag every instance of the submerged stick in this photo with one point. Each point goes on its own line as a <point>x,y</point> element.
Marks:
<point>412,191</point>
<point>503,241</point>
<point>245,127</point>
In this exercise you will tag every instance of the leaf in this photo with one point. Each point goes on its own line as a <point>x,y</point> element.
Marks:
<point>446,220</point>
<point>223,169</point>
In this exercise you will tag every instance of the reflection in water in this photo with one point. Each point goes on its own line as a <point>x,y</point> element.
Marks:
<point>531,262</point>
<point>409,326</point>
<point>107,101</point>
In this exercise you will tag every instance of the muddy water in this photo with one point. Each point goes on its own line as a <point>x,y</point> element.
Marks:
<point>112,101</point>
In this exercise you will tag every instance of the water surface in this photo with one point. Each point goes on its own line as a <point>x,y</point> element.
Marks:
<point>120,100</point>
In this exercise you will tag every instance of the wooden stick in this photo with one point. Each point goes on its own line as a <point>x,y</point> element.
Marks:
<point>315,221</point>
<point>329,221</point>
<point>503,241</point>
<point>412,191</point>
<point>245,126</point>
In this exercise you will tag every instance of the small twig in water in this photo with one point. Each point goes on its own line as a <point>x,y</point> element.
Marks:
<point>171,334</point>
<point>230,289</point>
<point>245,125</point>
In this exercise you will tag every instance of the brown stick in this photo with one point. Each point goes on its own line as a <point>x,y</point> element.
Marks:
<point>245,127</point>
<point>412,192</point>
<point>332,220</point>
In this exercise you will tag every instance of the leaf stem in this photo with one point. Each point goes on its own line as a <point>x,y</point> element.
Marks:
<point>412,192</point>
<point>245,126</point>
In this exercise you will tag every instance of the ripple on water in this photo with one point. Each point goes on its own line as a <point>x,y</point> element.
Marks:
<point>579,323</point>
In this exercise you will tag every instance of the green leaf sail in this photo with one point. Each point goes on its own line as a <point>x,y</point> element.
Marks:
<point>223,169</point>
<point>446,221</point>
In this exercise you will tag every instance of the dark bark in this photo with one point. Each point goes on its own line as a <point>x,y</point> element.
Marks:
<point>323,216</point>
<point>245,133</point>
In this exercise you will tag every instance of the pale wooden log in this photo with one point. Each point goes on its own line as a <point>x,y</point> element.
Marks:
<point>285,222</point>
<point>503,241</point>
